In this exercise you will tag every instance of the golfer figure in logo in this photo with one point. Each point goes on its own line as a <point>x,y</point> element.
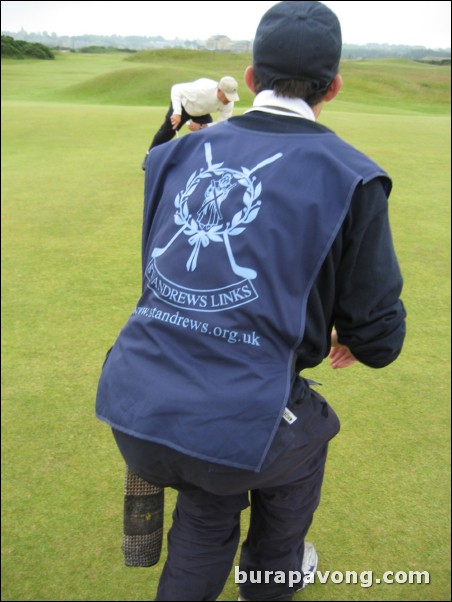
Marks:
<point>210,213</point>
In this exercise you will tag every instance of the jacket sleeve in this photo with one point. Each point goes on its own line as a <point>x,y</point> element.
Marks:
<point>369,315</point>
<point>177,92</point>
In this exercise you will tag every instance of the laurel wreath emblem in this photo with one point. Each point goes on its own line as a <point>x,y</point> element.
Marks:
<point>209,226</point>
<point>198,236</point>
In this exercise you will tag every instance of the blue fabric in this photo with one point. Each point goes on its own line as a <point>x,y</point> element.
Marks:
<point>236,227</point>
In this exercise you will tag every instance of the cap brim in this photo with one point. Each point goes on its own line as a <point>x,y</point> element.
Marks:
<point>233,97</point>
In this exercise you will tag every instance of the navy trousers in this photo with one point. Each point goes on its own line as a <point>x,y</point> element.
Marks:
<point>166,132</point>
<point>205,533</point>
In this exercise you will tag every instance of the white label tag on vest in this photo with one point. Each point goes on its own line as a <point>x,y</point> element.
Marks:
<point>289,416</point>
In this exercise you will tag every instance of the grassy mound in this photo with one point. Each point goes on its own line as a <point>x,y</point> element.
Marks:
<point>145,79</point>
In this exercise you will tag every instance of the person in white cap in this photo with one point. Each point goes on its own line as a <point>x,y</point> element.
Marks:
<point>194,102</point>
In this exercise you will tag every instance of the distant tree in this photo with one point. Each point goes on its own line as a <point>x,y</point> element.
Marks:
<point>10,48</point>
<point>100,50</point>
<point>19,49</point>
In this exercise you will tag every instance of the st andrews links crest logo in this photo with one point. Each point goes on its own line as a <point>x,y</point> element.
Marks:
<point>202,219</point>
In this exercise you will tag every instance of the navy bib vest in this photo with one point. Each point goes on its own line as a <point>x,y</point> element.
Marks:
<point>237,224</point>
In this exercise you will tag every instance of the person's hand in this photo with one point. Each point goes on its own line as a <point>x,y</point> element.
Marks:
<point>175,120</point>
<point>194,127</point>
<point>340,355</point>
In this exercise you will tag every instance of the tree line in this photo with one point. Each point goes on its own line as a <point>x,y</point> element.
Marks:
<point>19,49</point>
<point>136,43</point>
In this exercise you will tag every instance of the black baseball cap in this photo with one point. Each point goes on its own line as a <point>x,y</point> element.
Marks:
<point>299,41</point>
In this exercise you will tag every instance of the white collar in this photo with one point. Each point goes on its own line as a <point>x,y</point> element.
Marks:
<point>268,102</point>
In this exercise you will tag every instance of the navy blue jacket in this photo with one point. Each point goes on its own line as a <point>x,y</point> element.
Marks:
<point>259,235</point>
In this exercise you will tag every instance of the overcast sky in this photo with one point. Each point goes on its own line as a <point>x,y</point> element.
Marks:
<point>391,22</point>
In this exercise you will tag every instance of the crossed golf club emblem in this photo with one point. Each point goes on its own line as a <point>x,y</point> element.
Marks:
<point>208,225</point>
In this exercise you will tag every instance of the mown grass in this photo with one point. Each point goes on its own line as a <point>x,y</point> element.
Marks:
<point>71,221</point>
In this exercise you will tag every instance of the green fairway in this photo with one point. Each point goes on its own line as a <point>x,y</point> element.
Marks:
<point>74,133</point>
